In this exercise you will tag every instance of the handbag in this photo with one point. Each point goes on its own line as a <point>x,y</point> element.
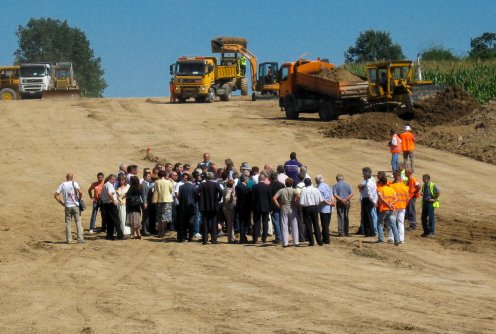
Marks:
<point>135,200</point>
<point>82,205</point>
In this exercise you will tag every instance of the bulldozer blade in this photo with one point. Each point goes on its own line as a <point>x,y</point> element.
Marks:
<point>63,93</point>
<point>420,91</point>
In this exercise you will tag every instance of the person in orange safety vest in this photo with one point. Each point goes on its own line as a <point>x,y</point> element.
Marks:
<point>386,207</point>
<point>402,194</point>
<point>408,146</point>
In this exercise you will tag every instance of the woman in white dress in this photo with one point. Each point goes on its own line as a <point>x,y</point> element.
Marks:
<point>121,191</point>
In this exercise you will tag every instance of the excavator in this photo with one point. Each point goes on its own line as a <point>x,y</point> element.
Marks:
<point>263,76</point>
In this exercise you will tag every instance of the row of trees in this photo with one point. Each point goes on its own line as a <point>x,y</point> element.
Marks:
<point>373,45</point>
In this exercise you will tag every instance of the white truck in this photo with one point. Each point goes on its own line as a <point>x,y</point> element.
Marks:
<point>34,79</point>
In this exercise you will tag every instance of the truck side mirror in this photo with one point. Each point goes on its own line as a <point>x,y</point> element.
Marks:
<point>210,68</point>
<point>171,69</point>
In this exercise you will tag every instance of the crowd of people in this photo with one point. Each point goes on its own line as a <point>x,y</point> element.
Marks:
<point>208,201</point>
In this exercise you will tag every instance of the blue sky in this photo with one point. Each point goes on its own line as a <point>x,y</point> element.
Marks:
<point>137,40</point>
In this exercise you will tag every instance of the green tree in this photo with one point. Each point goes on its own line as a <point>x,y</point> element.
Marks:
<point>438,53</point>
<point>50,40</point>
<point>484,46</point>
<point>373,45</point>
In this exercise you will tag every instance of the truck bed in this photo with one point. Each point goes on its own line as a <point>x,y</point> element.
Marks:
<point>336,89</point>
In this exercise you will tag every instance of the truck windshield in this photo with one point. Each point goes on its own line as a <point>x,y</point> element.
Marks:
<point>195,68</point>
<point>33,72</point>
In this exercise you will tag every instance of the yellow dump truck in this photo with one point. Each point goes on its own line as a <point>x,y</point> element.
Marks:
<point>202,78</point>
<point>9,83</point>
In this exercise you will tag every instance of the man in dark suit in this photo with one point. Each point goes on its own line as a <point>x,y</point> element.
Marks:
<point>261,200</point>
<point>243,207</point>
<point>187,209</point>
<point>209,196</point>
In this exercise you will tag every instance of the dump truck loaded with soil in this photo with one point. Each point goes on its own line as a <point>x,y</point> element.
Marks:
<point>318,86</point>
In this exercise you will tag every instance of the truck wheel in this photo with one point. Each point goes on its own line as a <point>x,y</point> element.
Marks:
<point>227,96</point>
<point>244,86</point>
<point>210,96</point>
<point>8,94</point>
<point>200,99</point>
<point>290,107</point>
<point>327,112</point>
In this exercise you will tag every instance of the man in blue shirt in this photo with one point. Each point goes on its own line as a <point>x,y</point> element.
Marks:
<point>343,194</point>
<point>292,168</point>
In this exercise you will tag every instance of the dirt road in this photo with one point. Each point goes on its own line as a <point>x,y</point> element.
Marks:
<point>440,285</point>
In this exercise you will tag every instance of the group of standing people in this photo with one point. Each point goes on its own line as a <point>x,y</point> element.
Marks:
<point>206,201</point>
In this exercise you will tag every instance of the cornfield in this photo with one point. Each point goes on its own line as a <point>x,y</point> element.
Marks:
<point>478,78</point>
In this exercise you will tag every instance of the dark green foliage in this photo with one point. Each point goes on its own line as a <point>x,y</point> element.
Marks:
<point>438,53</point>
<point>484,46</point>
<point>373,45</point>
<point>50,40</point>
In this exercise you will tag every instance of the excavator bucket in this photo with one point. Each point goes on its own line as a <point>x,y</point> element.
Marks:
<point>219,42</point>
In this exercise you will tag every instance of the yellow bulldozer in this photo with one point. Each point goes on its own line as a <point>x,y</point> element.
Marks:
<point>64,82</point>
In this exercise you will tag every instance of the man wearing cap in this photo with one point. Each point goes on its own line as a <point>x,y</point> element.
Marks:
<point>408,146</point>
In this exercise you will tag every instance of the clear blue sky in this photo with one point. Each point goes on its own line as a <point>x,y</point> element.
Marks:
<point>137,40</point>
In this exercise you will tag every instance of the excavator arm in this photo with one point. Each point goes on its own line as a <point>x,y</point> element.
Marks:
<point>237,44</point>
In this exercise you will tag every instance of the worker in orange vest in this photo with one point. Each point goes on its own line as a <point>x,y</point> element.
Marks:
<point>395,148</point>
<point>413,193</point>
<point>408,146</point>
<point>386,205</point>
<point>402,193</point>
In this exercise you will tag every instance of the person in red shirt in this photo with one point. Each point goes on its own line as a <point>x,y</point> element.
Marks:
<point>408,146</point>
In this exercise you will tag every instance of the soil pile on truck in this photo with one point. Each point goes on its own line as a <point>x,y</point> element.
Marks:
<point>338,74</point>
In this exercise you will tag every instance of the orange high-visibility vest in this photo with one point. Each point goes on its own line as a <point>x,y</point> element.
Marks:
<point>388,194</point>
<point>411,188</point>
<point>407,141</point>
<point>402,194</point>
<point>396,148</point>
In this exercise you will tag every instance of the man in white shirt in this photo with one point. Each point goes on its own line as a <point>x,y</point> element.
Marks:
<point>310,199</point>
<point>368,196</point>
<point>68,195</point>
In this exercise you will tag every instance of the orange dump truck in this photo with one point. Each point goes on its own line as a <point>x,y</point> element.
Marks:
<point>317,86</point>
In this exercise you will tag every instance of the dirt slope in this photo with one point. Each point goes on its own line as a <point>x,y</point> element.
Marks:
<point>438,285</point>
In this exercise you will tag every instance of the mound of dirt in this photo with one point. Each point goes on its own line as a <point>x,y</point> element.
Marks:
<point>451,120</point>
<point>473,135</point>
<point>373,126</point>
<point>445,107</point>
<point>338,74</point>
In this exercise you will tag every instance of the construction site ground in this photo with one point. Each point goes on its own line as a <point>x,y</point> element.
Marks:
<point>436,285</point>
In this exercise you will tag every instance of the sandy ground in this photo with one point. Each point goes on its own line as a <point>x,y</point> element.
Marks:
<point>440,285</point>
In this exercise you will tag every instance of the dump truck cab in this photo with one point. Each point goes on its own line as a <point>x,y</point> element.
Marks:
<point>194,78</point>
<point>35,79</point>
<point>9,82</point>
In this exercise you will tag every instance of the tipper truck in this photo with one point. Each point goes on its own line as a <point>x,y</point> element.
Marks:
<point>301,90</point>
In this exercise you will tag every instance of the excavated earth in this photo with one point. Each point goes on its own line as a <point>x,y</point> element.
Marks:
<point>338,74</point>
<point>451,120</point>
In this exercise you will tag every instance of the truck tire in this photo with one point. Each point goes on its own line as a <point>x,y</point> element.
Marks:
<point>8,94</point>
<point>211,96</point>
<point>228,94</point>
<point>327,112</point>
<point>200,99</point>
<point>244,86</point>
<point>290,107</point>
